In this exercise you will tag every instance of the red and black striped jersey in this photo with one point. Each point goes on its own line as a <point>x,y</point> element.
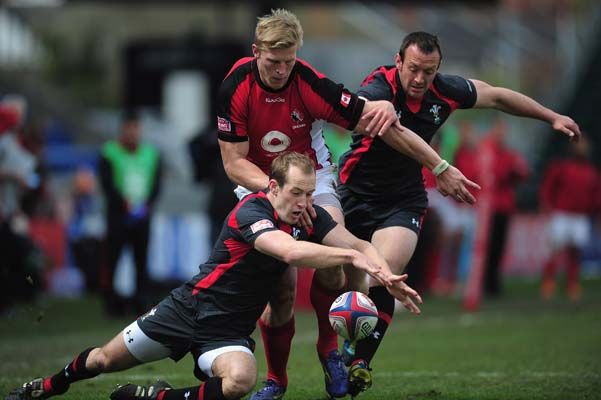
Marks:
<point>374,170</point>
<point>288,119</point>
<point>234,285</point>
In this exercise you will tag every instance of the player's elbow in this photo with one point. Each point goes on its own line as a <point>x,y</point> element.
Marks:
<point>293,256</point>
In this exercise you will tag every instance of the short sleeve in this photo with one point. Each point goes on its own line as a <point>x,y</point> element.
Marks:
<point>457,88</point>
<point>232,98</point>
<point>376,87</point>
<point>253,219</point>
<point>322,225</point>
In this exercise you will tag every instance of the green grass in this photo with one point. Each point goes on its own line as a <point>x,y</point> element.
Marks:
<point>518,347</point>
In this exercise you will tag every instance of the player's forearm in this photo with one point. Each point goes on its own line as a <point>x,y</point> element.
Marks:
<point>244,173</point>
<point>409,143</point>
<point>311,255</point>
<point>515,103</point>
<point>370,251</point>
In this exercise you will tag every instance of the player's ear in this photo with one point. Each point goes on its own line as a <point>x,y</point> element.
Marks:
<point>255,50</point>
<point>273,186</point>
<point>397,60</point>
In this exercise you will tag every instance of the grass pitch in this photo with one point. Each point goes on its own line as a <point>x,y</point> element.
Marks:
<point>518,347</point>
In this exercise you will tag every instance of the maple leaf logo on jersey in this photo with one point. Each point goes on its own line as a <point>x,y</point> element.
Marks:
<point>345,99</point>
<point>296,116</point>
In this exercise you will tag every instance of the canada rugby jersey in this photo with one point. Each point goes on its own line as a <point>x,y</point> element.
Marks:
<point>371,168</point>
<point>236,282</point>
<point>288,119</point>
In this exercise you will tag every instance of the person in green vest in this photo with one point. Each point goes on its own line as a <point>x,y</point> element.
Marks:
<point>130,176</point>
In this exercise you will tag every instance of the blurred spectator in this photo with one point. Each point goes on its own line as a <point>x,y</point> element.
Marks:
<point>457,218</point>
<point>510,168</point>
<point>86,227</point>
<point>20,268</point>
<point>130,174</point>
<point>206,157</point>
<point>569,194</point>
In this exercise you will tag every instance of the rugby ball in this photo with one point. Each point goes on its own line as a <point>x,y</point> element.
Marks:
<point>353,315</point>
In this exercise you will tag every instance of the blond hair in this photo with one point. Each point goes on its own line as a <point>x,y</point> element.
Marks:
<point>281,165</point>
<point>279,30</point>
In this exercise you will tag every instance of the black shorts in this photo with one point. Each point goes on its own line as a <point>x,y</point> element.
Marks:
<point>363,218</point>
<point>167,324</point>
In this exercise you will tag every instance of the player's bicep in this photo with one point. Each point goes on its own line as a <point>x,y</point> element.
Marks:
<point>486,95</point>
<point>275,244</point>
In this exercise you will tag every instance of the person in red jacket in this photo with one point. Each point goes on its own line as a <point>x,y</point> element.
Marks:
<point>569,194</point>
<point>510,168</point>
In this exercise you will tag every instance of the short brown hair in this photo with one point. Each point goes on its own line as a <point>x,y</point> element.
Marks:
<point>279,30</point>
<point>426,42</point>
<point>282,163</point>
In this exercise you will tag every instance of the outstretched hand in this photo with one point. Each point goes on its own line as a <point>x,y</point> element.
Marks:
<point>452,182</point>
<point>567,126</point>
<point>405,294</point>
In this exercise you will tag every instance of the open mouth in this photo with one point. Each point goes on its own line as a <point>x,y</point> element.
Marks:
<point>297,213</point>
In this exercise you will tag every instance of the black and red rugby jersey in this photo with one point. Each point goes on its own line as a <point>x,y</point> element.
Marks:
<point>287,119</point>
<point>374,170</point>
<point>236,282</point>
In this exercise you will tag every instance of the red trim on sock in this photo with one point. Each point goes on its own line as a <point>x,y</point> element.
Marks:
<point>201,392</point>
<point>161,395</point>
<point>47,385</point>
<point>385,317</point>
<point>74,363</point>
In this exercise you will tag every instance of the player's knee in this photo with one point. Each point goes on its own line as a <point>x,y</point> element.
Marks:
<point>330,278</point>
<point>100,361</point>
<point>238,384</point>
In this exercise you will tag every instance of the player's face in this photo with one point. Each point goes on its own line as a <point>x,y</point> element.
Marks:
<point>292,199</point>
<point>417,70</point>
<point>275,65</point>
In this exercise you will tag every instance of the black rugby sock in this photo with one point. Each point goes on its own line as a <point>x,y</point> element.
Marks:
<point>74,371</point>
<point>366,348</point>
<point>210,390</point>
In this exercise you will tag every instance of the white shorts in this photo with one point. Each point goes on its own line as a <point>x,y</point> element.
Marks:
<point>325,189</point>
<point>144,349</point>
<point>569,229</point>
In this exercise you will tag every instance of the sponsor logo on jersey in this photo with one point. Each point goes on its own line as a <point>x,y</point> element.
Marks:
<point>275,142</point>
<point>295,233</point>
<point>275,100</point>
<point>261,225</point>
<point>224,125</point>
<point>345,99</point>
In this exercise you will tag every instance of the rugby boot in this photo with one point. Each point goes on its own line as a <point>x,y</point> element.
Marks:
<point>359,378</point>
<point>130,391</point>
<point>336,377</point>
<point>29,391</point>
<point>270,391</point>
